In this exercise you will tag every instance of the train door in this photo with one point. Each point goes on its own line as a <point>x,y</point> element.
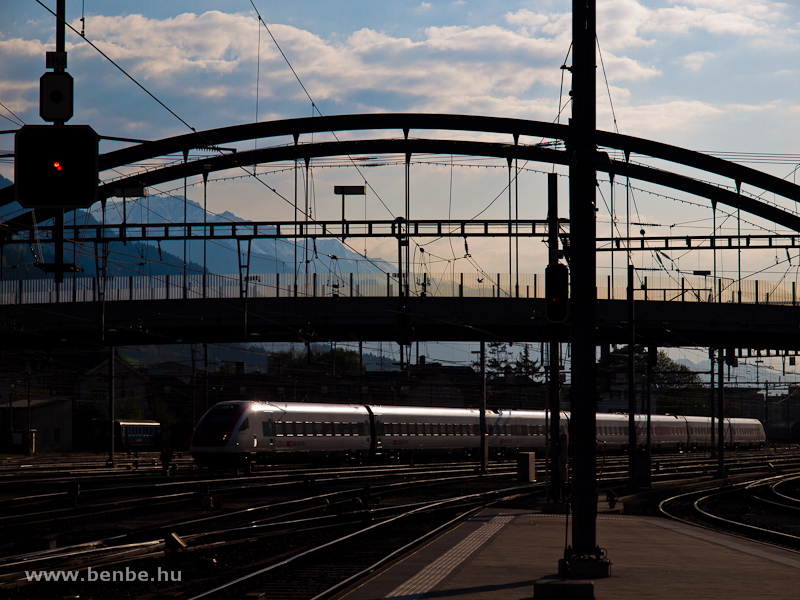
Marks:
<point>245,439</point>
<point>373,433</point>
<point>267,443</point>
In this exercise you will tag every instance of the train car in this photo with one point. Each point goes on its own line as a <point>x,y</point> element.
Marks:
<point>531,429</point>
<point>242,433</point>
<point>612,432</point>
<point>134,435</point>
<point>402,431</point>
<point>667,432</point>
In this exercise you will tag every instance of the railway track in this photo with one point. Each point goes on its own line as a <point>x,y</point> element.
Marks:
<point>751,509</point>
<point>396,511</point>
<point>288,511</point>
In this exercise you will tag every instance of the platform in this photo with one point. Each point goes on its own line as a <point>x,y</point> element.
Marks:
<point>499,554</point>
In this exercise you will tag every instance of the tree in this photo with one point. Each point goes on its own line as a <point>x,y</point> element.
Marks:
<point>497,359</point>
<point>526,367</point>
<point>295,361</point>
<point>676,389</point>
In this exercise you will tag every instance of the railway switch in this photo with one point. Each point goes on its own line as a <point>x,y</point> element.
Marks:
<point>174,546</point>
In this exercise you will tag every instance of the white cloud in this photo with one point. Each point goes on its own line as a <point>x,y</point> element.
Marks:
<point>696,60</point>
<point>424,7</point>
<point>211,42</point>
<point>673,116</point>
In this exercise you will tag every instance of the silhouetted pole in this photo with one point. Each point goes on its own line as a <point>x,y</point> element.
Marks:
<point>111,405</point>
<point>721,416</point>
<point>30,446</point>
<point>631,382</point>
<point>205,373</point>
<point>553,367</point>
<point>711,401</point>
<point>652,361</point>
<point>484,444</point>
<point>582,150</point>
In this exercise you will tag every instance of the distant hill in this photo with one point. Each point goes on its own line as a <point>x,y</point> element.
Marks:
<point>266,256</point>
<point>166,258</point>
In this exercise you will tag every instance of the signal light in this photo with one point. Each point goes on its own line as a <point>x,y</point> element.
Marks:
<point>556,283</point>
<point>55,166</point>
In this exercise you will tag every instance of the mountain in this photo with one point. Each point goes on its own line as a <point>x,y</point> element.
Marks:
<point>166,258</point>
<point>266,256</point>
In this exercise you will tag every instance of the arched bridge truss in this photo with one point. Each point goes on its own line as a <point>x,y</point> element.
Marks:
<point>676,325</point>
<point>544,151</point>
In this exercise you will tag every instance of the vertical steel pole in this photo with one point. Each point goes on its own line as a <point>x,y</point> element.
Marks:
<point>30,446</point>
<point>582,149</point>
<point>484,440</point>
<point>111,405</point>
<point>652,359</point>
<point>711,358</point>
<point>553,366</point>
<point>631,382</point>
<point>721,416</point>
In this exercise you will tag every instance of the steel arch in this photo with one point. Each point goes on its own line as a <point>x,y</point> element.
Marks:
<point>407,122</point>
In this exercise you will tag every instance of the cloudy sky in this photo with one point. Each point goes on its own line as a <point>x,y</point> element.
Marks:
<point>710,75</point>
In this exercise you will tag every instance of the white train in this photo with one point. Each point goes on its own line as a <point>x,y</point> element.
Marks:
<point>239,433</point>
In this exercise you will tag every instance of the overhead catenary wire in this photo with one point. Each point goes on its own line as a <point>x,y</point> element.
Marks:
<point>123,71</point>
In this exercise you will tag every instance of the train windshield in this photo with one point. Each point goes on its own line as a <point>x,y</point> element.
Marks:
<point>218,418</point>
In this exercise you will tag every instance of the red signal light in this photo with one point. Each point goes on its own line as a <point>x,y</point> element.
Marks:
<point>57,165</point>
<point>557,292</point>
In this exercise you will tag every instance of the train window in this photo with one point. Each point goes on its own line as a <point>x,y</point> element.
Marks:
<point>381,428</point>
<point>218,418</point>
<point>245,425</point>
<point>280,429</point>
<point>403,428</point>
<point>428,428</point>
<point>266,428</point>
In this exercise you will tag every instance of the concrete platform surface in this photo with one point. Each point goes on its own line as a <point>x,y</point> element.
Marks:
<point>498,555</point>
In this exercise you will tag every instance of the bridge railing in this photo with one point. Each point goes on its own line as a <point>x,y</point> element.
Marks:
<point>468,285</point>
